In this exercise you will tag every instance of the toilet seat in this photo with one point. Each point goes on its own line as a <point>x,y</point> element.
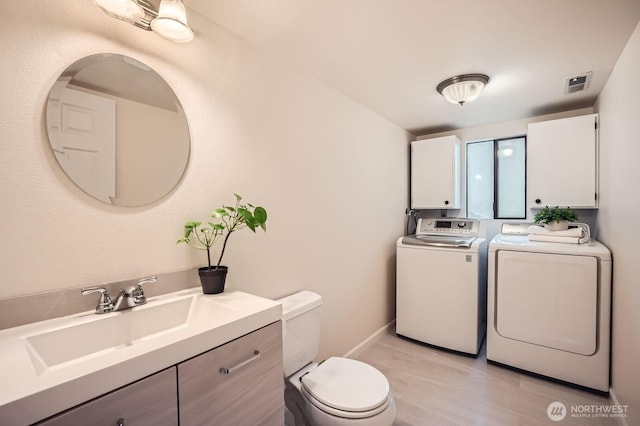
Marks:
<point>346,388</point>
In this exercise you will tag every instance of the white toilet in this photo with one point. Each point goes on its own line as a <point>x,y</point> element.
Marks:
<point>335,392</point>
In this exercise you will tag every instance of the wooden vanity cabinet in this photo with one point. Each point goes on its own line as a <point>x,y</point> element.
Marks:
<point>240,383</point>
<point>250,394</point>
<point>152,401</point>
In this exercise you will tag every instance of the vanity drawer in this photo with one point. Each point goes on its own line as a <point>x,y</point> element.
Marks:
<point>251,394</point>
<point>151,401</point>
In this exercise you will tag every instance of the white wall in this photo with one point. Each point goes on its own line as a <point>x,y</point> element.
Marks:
<point>332,175</point>
<point>619,108</point>
<point>505,129</point>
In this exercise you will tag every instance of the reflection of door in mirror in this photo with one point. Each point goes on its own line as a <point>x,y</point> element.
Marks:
<point>82,128</point>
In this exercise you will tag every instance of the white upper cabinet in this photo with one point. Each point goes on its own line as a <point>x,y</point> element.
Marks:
<point>562,163</point>
<point>435,173</point>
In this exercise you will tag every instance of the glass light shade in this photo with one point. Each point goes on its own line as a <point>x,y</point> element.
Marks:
<point>127,10</point>
<point>461,93</point>
<point>462,89</point>
<point>171,22</point>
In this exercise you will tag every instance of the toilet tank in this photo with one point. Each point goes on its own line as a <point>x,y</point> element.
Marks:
<point>300,329</point>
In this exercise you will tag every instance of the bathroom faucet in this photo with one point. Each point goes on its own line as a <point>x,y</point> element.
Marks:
<point>127,297</point>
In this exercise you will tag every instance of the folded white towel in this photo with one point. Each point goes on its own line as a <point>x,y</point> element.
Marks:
<point>559,239</point>
<point>541,230</point>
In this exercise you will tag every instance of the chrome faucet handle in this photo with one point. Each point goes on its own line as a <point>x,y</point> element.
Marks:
<point>137,293</point>
<point>147,280</point>
<point>105,304</point>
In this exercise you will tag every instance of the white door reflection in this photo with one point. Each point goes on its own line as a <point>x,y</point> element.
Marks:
<point>82,132</point>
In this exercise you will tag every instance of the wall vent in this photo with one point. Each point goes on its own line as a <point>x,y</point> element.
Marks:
<point>577,83</point>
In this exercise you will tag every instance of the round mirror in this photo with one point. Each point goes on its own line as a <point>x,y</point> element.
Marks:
<point>117,130</point>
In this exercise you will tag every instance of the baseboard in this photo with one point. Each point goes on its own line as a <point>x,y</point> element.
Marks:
<point>361,347</point>
<point>622,421</point>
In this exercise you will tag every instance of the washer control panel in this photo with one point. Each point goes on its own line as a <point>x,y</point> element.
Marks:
<point>448,226</point>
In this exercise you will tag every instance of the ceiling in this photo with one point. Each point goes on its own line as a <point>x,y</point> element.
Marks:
<point>389,55</point>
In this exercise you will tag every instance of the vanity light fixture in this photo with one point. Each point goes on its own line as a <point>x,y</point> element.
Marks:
<point>462,88</point>
<point>169,20</point>
<point>126,10</point>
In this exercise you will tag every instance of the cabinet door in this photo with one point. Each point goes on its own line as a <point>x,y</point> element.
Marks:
<point>435,173</point>
<point>148,402</point>
<point>562,162</point>
<point>251,394</point>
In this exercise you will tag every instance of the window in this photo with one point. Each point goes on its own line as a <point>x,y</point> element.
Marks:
<point>496,179</point>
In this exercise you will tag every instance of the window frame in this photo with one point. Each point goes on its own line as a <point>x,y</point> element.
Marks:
<point>496,166</point>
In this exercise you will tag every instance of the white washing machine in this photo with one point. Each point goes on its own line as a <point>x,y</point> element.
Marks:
<point>441,284</point>
<point>549,307</point>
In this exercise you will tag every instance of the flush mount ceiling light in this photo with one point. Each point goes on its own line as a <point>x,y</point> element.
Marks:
<point>462,88</point>
<point>169,21</point>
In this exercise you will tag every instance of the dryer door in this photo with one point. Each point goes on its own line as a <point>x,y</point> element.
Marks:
<point>548,300</point>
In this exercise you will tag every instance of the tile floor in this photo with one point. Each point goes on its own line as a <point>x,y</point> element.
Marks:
<point>438,387</point>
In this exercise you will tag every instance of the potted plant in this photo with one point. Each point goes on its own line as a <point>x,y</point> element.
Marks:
<point>555,218</point>
<point>226,220</point>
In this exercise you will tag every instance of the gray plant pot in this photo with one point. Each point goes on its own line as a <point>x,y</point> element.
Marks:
<point>213,280</point>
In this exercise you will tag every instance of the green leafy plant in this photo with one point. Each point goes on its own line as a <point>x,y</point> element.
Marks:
<point>227,220</point>
<point>555,214</point>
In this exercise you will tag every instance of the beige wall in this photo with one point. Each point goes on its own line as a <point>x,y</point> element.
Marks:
<point>332,174</point>
<point>619,108</point>
<point>504,129</point>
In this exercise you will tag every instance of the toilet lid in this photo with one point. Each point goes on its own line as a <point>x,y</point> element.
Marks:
<point>347,385</point>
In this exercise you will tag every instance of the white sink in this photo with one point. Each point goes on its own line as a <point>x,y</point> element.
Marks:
<point>108,332</point>
<point>52,365</point>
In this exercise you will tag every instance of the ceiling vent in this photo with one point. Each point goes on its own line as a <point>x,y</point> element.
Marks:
<point>577,83</point>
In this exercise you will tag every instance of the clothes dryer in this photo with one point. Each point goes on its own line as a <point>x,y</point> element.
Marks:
<point>549,308</point>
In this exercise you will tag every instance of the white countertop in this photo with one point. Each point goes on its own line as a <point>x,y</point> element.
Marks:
<point>33,390</point>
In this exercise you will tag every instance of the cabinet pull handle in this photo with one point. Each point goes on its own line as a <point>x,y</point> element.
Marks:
<point>256,355</point>
<point>120,421</point>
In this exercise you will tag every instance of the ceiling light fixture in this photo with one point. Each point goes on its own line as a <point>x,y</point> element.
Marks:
<point>168,21</point>
<point>462,88</point>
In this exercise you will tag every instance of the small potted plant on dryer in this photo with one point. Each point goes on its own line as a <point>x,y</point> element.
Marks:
<point>227,220</point>
<point>555,218</point>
